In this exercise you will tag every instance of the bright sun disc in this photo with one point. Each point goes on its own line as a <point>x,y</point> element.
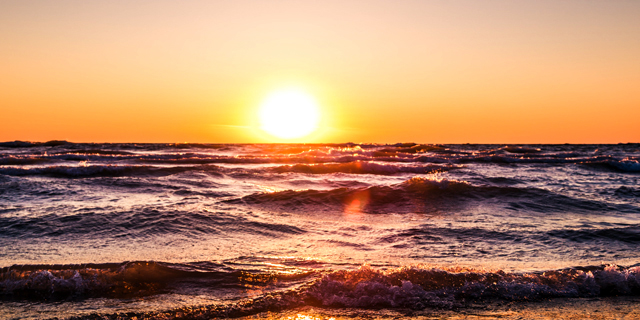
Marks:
<point>289,114</point>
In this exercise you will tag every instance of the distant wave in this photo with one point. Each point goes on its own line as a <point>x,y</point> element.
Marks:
<point>616,158</point>
<point>520,149</point>
<point>412,287</point>
<point>94,152</point>
<point>355,167</point>
<point>200,145</point>
<point>22,160</point>
<point>93,171</point>
<point>27,144</point>
<point>360,167</point>
<point>422,195</point>
<point>625,165</point>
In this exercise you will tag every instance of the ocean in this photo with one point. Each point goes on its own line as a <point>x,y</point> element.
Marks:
<point>315,231</point>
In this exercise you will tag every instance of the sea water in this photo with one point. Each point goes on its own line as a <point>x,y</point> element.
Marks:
<point>164,231</point>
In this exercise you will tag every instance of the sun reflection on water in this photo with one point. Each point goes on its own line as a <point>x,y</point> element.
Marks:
<point>357,203</point>
<point>300,316</point>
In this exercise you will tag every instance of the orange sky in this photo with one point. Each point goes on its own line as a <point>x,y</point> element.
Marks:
<point>382,71</point>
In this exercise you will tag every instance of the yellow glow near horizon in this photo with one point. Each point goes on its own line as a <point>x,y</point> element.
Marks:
<point>289,114</point>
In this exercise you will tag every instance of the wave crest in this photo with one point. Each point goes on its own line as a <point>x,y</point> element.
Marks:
<point>412,287</point>
<point>82,281</point>
<point>28,144</point>
<point>420,195</point>
<point>100,170</point>
<point>417,288</point>
<point>408,196</point>
<point>360,167</point>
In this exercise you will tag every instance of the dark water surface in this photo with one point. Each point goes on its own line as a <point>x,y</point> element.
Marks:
<point>219,230</point>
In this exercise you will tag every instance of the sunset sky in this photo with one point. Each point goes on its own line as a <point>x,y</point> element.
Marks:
<point>380,71</point>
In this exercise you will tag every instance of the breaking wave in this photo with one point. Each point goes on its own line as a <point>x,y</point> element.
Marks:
<point>412,287</point>
<point>125,280</point>
<point>417,288</point>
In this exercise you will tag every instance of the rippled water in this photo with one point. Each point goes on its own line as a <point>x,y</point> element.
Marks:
<point>159,230</point>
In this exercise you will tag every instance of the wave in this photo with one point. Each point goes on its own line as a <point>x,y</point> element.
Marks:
<point>411,149</point>
<point>38,282</point>
<point>409,287</point>
<point>376,199</point>
<point>260,159</point>
<point>144,222</point>
<point>624,165</point>
<point>627,192</point>
<point>360,167</point>
<point>623,234</point>
<point>95,152</point>
<point>423,195</point>
<point>21,160</point>
<point>609,157</point>
<point>101,171</point>
<point>27,144</point>
<point>355,167</point>
<point>441,235</point>
<point>521,149</point>
<point>130,279</point>
<point>417,288</point>
<point>200,145</point>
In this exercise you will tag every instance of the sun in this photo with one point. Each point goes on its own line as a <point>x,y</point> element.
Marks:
<point>289,114</point>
